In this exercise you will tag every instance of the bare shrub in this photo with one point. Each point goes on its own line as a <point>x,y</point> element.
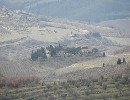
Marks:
<point>18,81</point>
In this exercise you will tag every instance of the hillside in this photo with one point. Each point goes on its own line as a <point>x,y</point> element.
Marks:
<point>85,10</point>
<point>119,24</point>
<point>22,32</point>
<point>115,87</point>
<point>45,58</point>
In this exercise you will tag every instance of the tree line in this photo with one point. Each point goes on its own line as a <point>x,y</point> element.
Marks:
<point>41,54</point>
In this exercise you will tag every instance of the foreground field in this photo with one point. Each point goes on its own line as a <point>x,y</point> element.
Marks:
<point>110,88</point>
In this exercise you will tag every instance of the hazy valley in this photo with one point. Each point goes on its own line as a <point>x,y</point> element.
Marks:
<point>48,58</point>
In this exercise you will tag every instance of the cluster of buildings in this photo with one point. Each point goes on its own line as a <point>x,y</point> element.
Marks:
<point>64,51</point>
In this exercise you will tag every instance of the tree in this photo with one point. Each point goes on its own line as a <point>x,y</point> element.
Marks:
<point>104,55</point>
<point>104,86</point>
<point>94,50</point>
<point>119,61</point>
<point>87,92</point>
<point>32,55</point>
<point>93,35</point>
<point>73,50</point>
<point>43,53</point>
<point>125,80</point>
<point>96,35</point>
<point>103,65</point>
<point>101,77</point>
<point>117,85</point>
<point>52,50</point>
<point>115,96</point>
<point>63,96</point>
<point>124,61</point>
<point>39,54</point>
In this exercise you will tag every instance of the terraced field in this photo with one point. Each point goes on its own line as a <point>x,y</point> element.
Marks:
<point>111,88</point>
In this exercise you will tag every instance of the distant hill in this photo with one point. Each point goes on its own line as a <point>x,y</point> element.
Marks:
<point>119,24</point>
<point>85,10</point>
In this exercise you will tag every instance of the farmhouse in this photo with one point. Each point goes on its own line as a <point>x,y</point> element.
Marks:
<point>48,53</point>
<point>85,50</point>
<point>60,53</point>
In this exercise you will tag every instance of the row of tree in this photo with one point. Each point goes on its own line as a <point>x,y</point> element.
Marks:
<point>39,54</point>
<point>120,62</point>
<point>93,35</point>
<point>54,49</point>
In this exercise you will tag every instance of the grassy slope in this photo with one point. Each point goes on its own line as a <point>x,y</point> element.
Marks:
<point>49,36</point>
<point>121,41</point>
<point>98,62</point>
<point>119,24</point>
<point>23,68</point>
<point>9,37</point>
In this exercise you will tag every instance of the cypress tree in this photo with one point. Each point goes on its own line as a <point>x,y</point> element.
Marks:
<point>124,61</point>
<point>119,61</point>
